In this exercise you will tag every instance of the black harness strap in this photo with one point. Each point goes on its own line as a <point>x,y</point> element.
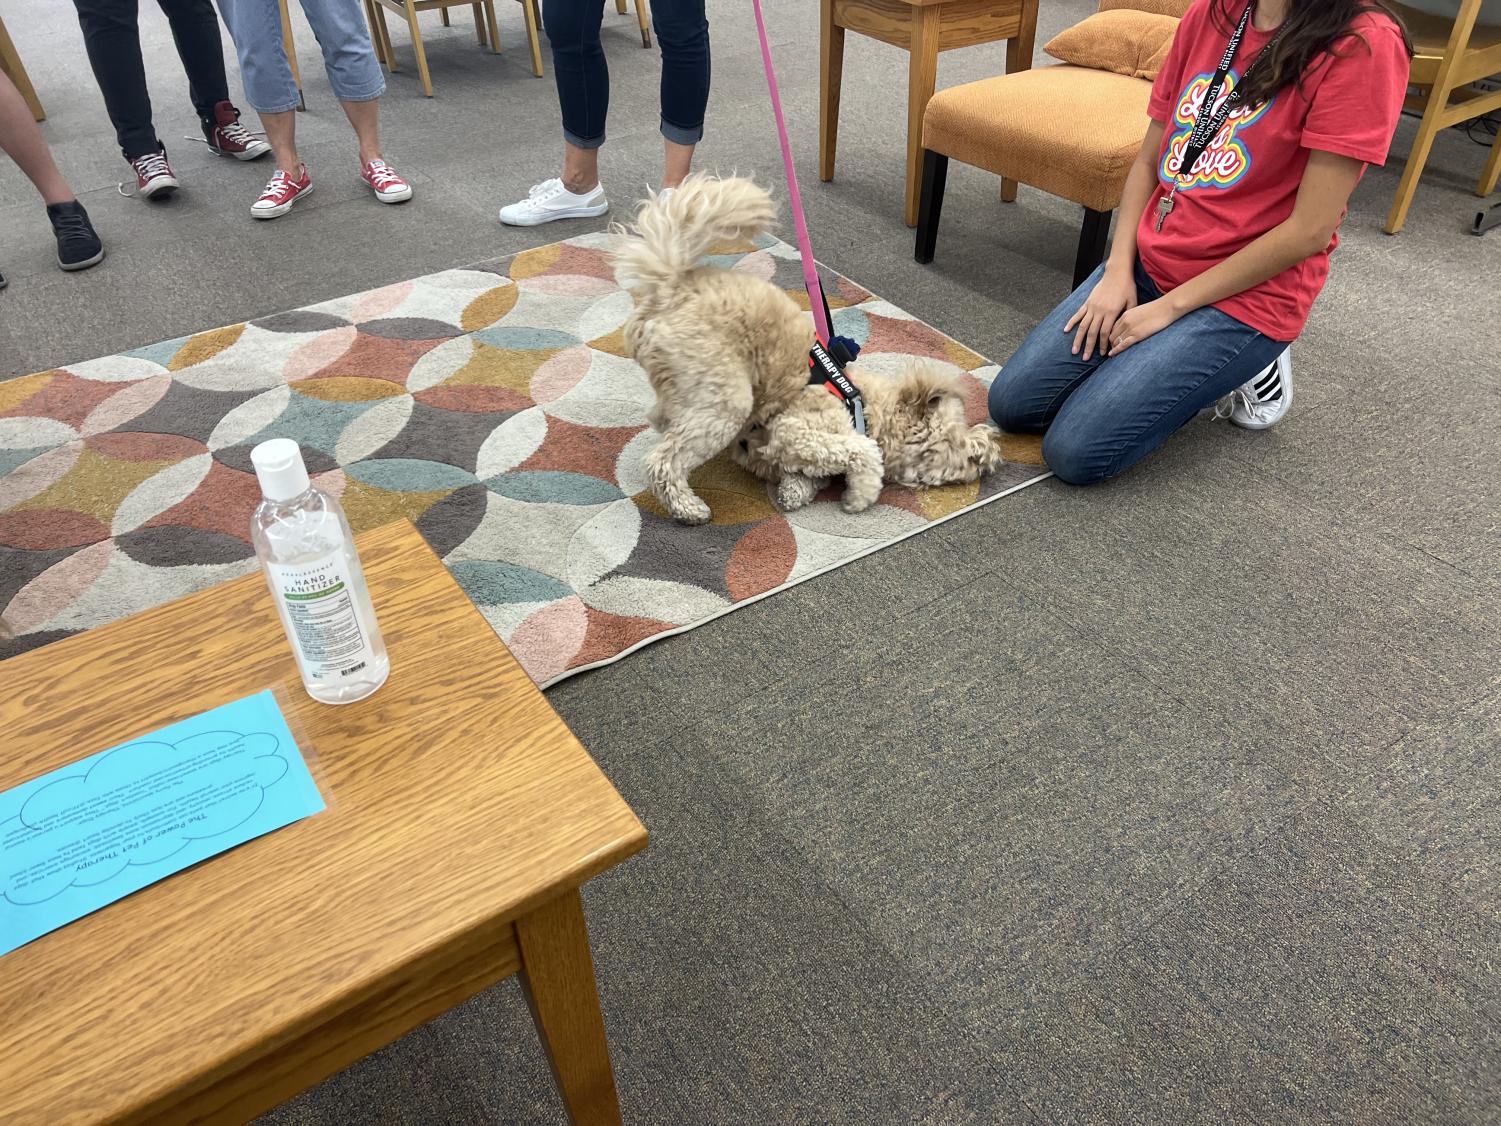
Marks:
<point>825,371</point>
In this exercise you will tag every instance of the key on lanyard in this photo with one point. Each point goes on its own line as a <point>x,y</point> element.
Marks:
<point>1165,206</point>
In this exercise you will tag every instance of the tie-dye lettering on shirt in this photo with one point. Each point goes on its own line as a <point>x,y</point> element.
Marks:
<point>1226,158</point>
<point>1247,180</point>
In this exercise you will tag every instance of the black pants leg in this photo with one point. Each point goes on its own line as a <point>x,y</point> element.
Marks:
<point>578,64</point>
<point>112,38</point>
<point>195,30</point>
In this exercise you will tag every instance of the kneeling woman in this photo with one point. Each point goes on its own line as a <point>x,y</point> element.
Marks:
<point>1263,118</point>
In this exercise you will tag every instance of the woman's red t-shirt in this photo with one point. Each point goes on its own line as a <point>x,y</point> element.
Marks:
<point>1247,180</point>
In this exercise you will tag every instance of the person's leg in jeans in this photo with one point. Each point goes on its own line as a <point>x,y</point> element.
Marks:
<point>1043,372</point>
<point>683,36</point>
<point>1135,401</point>
<point>113,42</point>
<point>112,38</point>
<point>21,139</point>
<point>255,28</point>
<point>1104,415</point>
<point>583,78</point>
<point>195,30</point>
<point>353,70</point>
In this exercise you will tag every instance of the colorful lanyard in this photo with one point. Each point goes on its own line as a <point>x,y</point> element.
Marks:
<point>1210,121</point>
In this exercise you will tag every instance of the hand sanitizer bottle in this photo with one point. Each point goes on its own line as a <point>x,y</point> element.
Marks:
<point>307,551</point>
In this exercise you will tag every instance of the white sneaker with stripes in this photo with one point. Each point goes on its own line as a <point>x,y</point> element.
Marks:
<point>1264,401</point>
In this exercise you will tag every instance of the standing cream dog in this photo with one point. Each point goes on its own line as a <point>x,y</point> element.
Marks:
<point>727,356</point>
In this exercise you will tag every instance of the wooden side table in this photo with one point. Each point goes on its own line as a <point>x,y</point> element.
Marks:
<point>923,28</point>
<point>462,817</point>
<point>10,63</point>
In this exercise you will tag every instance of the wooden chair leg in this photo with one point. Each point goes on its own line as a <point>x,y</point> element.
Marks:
<point>643,18</point>
<point>533,39</point>
<point>384,30</point>
<point>1094,241</point>
<point>1422,145</point>
<point>479,22</point>
<point>1438,103</point>
<point>290,48</point>
<point>494,27</point>
<point>375,39</point>
<point>830,80</point>
<point>10,63</point>
<point>922,76</point>
<point>620,6</point>
<point>1019,57</point>
<point>444,13</point>
<point>416,31</point>
<point>1492,173</point>
<point>935,175</point>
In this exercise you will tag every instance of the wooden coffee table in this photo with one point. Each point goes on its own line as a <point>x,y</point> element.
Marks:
<point>923,28</point>
<point>462,818</point>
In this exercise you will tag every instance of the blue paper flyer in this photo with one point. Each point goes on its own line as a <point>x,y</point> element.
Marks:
<point>81,837</point>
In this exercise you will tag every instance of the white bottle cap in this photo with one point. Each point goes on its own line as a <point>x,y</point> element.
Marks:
<point>279,469</point>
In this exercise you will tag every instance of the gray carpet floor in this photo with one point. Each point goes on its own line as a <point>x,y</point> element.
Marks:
<point>1171,800</point>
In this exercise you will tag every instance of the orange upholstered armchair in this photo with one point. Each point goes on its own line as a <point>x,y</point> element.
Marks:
<point>1072,131</point>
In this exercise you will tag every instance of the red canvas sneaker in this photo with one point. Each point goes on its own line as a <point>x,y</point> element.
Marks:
<point>283,191</point>
<point>227,137</point>
<point>387,186</point>
<point>154,176</point>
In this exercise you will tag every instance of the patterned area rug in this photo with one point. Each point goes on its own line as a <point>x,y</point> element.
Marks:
<point>492,406</point>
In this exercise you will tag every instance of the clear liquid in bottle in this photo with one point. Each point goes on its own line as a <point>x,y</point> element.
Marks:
<point>307,552</point>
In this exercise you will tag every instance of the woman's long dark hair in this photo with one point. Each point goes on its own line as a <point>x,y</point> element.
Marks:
<point>1312,29</point>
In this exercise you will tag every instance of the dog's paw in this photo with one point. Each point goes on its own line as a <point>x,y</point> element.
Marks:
<point>795,491</point>
<point>855,504</point>
<point>692,512</point>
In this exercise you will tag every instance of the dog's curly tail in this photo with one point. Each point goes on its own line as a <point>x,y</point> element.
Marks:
<point>671,234</point>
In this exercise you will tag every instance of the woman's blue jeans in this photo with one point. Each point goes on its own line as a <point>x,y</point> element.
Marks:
<point>583,78</point>
<point>1104,414</point>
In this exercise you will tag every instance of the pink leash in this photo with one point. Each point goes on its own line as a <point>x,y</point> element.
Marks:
<point>800,221</point>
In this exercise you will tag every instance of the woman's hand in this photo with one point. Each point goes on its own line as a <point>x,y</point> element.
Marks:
<point>1113,295</point>
<point>1135,325</point>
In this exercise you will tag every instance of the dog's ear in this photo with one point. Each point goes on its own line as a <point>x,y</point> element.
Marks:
<point>925,388</point>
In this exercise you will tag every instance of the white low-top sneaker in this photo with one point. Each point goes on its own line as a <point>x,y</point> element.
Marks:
<point>550,200</point>
<point>1264,401</point>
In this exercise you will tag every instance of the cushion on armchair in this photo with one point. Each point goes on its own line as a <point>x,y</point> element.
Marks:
<point>1176,8</point>
<point>1122,41</point>
<point>1070,131</point>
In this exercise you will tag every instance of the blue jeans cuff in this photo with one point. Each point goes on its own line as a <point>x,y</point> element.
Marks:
<point>369,94</point>
<point>288,108</point>
<point>678,135</point>
<point>581,143</point>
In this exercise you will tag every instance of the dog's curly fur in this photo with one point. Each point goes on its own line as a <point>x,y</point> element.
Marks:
<point>727,356</point>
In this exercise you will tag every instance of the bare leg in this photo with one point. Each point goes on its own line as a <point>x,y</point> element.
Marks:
<point>24,143</point>
<point>677,163</point>
<point>365,117</point>
<point>580,169</point>
<point>281,131</point>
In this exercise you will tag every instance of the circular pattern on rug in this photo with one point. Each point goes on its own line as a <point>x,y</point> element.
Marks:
<point>500,415</point>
